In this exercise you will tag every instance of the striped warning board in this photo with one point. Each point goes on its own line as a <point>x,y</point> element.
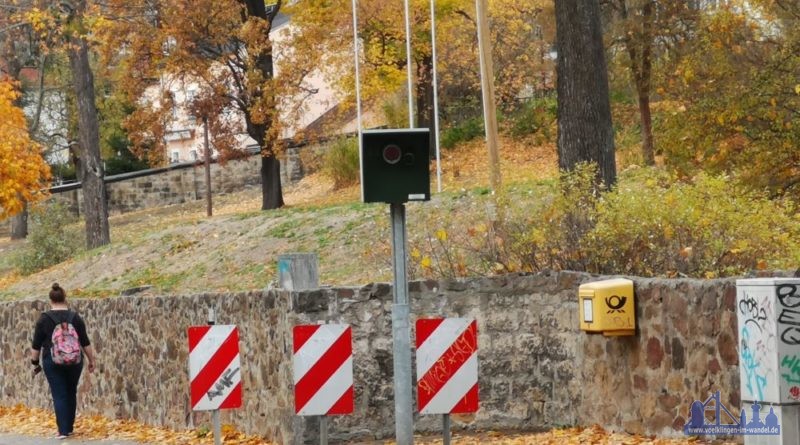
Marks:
<point>447,365</point>
<point>214,367</point>
<point>323,369</point>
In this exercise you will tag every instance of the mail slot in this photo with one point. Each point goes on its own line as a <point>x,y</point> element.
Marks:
<point>607,307</point>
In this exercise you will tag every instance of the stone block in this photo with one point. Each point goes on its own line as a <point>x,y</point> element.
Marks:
<point>655,353</point>
<point>727,347</point>
<point>678,354</point>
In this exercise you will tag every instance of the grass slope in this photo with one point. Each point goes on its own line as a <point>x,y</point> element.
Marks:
<point>178,250</point>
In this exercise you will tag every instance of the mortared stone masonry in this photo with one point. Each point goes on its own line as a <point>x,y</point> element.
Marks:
<point>537,370</point>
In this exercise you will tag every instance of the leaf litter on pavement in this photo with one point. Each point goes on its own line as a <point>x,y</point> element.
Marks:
<point>19,419</point>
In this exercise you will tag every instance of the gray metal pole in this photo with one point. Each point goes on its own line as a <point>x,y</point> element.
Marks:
<point>212,320</point>
<point>217,427</point>
<point>356,53</point>
<point>401,331</point>
<point>435,128</point>
<point>323,430</point>
<point>409,70</point>
<point>445,429</point>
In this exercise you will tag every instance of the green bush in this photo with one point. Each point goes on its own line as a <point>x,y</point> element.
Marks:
<point>51,240</point>
<point>515,234</point>
<point>395,110</point>
<point>341,163</point>
<point>65,171</point>
<point>708,227</point>
<point>650,224</point>
<point>466,131</point>
<point>549,233</point>
<point>124,162</point>
<point>537,116</point>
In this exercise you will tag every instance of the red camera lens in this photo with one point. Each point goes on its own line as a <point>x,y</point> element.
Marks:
<point>392,154</point>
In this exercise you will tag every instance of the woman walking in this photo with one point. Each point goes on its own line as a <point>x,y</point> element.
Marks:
<point>60,340</point>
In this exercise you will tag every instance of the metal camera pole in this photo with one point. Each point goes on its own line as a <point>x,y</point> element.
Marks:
<point>212,320</point>
<point>401,331</point>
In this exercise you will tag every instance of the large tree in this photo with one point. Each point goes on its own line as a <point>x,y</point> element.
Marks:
<point>735,97</point>
<point>18,50</point>
<point>23,172</point>
<point>221,46</point>
<point>95,203</point>
<point>63,28</point>
<point>585,133</point>
<point>647,32</point>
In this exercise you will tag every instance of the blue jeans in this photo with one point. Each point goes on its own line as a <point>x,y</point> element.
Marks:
<point>63,382</point>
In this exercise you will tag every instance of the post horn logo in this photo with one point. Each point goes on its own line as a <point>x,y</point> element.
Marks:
<point>615,303</point>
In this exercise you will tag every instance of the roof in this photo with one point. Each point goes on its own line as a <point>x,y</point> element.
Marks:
<point>280,21</point>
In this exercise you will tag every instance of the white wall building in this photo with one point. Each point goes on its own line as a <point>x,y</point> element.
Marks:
<point>184,138</point>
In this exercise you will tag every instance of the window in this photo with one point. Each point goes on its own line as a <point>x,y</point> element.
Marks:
<point>175,156</point>
<point>193,155</point>
<point>168,45</point>
<point>190,96</point>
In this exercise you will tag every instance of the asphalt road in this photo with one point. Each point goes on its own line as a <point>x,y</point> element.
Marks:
<point>12,439</point>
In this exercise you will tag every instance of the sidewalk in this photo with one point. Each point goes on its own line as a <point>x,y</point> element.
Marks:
<point>12,439</point>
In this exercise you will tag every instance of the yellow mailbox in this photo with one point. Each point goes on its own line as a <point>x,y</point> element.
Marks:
<point>607,307</point>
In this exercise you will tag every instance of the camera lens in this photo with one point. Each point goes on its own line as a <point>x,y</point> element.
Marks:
<point>392,154</point>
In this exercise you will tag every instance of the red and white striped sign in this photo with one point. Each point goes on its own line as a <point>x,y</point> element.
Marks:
<point>214,367</point>
<point>323,369</point>
<point>447,365</point>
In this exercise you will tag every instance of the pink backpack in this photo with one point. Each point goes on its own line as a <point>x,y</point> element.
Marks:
<point>66,348</point>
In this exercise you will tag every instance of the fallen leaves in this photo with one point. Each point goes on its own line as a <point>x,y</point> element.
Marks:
<point>19,419</point>
<point>594,435</point>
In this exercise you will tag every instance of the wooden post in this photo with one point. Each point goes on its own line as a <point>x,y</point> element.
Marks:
<point>208,168</point>
<point>487,89</point>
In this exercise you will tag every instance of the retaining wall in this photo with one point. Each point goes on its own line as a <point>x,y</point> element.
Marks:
<point>186,182</point>
<point>537,370</point>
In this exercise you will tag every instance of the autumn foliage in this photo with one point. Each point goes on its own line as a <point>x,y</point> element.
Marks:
<point>22,420</point>
<point>23,172</point>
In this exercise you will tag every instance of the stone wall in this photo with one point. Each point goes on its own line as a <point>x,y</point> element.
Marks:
<point>142,350</point>
<point>186,182</point>
<point>537,370</point>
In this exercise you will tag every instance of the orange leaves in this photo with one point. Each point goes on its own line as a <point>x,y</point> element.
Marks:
<point>37,422</point>
<point>594,435</point>
<point>23,172</point>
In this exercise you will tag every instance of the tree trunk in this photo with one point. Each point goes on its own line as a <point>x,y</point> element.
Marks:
<point>19,223</point>
<point>643,83</point>
<point>648,151</point>
<point>424,99</point>
<point>585,133</point>
<point>636,43</point>
<point>95,207</point>
<point>271,192</point>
